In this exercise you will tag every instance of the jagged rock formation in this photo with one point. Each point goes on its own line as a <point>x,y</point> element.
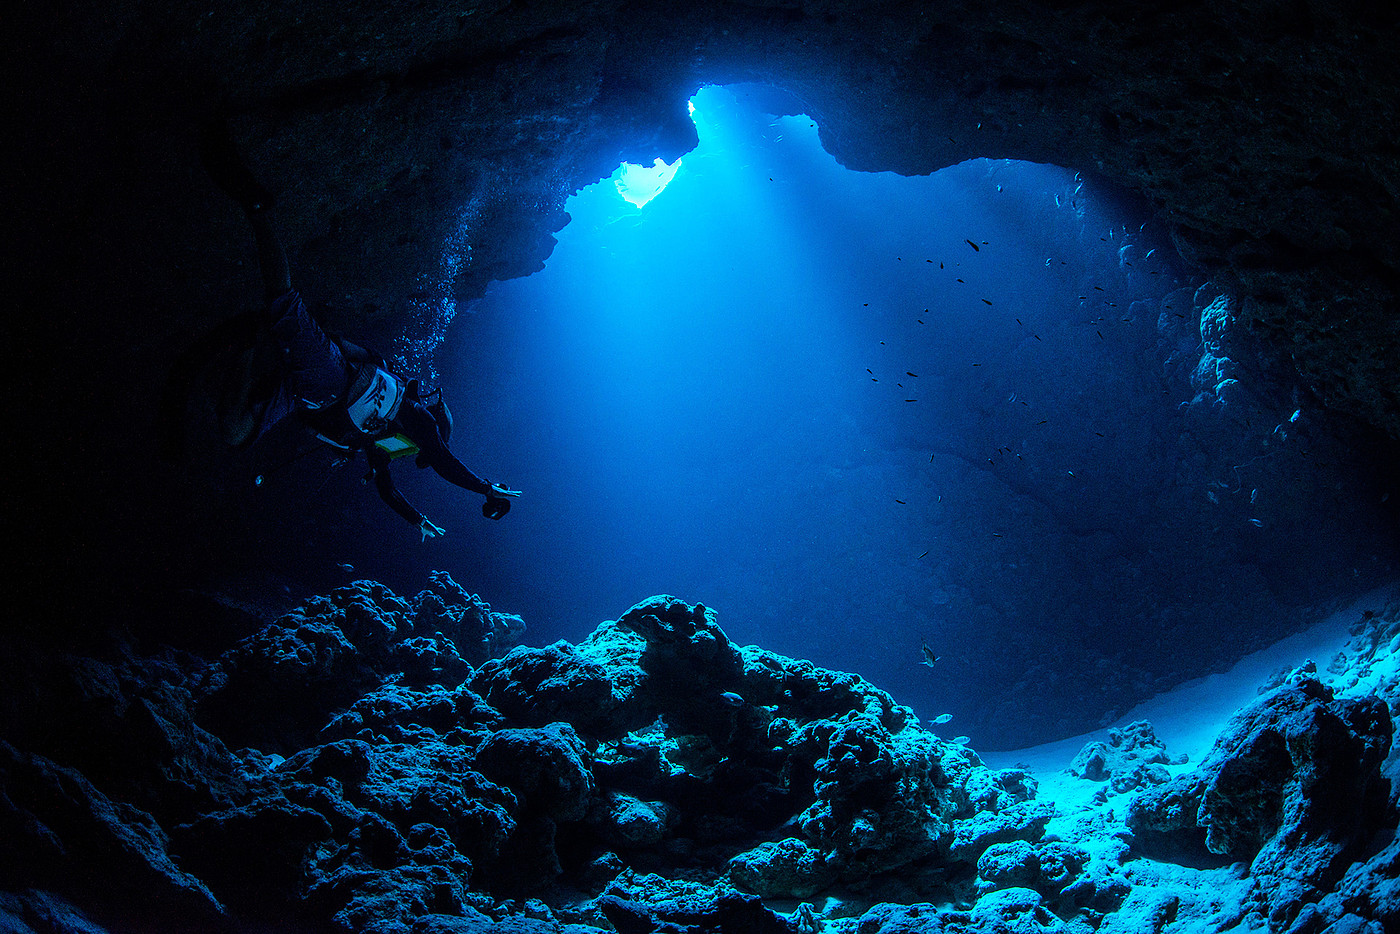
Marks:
<point>419,153</point>
<point>1293,785</point>
<point>653,777</point>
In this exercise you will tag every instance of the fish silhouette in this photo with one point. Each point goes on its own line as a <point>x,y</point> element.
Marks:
<point>929,657</point>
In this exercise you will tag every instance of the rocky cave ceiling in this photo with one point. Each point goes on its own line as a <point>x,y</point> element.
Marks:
<point>1263,134</point>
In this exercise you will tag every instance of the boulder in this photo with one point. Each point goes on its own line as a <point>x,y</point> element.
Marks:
<point>1132,758</point>
<point>544,767</point>
<point>786,868</point>
<point>1292,786</point>
<point>536,686</point>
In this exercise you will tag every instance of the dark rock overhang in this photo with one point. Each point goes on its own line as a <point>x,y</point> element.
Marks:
<point>1262,133</point>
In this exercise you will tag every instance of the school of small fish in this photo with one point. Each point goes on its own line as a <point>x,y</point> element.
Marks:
<point>1096,323</point>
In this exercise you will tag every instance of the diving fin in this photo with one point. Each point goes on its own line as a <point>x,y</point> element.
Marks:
<point>226,168</point>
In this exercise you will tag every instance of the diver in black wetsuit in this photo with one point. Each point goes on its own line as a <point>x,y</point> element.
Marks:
<point>344,393</point>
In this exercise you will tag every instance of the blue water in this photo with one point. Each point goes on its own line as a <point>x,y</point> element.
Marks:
<point>801,396</point>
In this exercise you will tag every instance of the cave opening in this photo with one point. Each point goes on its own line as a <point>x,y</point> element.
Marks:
<point>985,409</point>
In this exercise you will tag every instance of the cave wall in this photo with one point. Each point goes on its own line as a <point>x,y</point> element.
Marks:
<point>1262,132</point>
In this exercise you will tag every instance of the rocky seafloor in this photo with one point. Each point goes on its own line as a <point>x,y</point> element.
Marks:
<point>372,763</point>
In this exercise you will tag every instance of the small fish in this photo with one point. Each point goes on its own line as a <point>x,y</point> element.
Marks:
<point>987,301</point>
<point>1294,416</point>
<point>901,502</point>
<point>915,375</point>
<point>911,400</point>
<point>732,699</point>
<point>962,740</point>
<point>929,657</point>
<point>924,555</point>
<point>347,568</point>
<point>960,280</point>
<point>974,246</point>
<point>942,718</point>
<point>1098,288</point>
<point>1257,523</point>
<point>1100,334</point>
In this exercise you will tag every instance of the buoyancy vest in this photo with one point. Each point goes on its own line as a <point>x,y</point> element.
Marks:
<point>374,399</point>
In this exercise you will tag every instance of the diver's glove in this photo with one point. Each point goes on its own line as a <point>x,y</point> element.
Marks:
<point>497,504</point>
<point>429,530</point>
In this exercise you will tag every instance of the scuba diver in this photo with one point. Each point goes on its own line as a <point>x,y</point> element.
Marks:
<point>289,365</point>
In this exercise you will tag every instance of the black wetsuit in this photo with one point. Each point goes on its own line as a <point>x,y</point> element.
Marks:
<point>319,375</point>
<point>417,424</point>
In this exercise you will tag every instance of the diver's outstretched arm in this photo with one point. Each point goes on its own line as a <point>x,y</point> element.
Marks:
<point>384,483</point>
<point>422,430</point>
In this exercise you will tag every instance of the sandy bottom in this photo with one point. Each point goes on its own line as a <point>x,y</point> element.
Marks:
<point>1187,720</point>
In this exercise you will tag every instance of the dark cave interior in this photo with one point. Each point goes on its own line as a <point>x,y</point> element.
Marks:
<point>1259,134</point>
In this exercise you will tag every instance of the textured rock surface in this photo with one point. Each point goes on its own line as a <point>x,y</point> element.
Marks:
<point>1132,757</point>
<point>1293,787</point>
<point>684,782</point>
